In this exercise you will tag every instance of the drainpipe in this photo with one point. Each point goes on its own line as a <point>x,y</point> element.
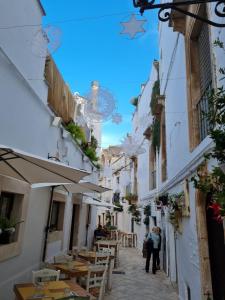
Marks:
<point>48,224</point>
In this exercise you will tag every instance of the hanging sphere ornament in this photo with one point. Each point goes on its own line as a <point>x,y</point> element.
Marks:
<point>100,104</point>
<point>131,147</point>
<point>133,27</point>
<point>46,41</point>
<point>117,118</point>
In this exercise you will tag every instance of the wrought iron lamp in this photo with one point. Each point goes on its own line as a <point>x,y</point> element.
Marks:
<point>165,9</point>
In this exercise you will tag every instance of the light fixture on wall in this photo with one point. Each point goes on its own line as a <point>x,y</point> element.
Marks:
<point>56,122</point>
<point>164,13</point>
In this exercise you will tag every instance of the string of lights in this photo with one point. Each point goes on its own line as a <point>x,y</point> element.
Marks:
<point>66,21</point>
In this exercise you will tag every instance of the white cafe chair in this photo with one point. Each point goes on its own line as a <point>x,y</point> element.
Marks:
<point>45,275</point>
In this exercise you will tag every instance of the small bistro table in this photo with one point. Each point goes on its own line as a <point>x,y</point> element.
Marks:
<point>110,244</point>
<point>91,256</point>
<point>74,268</point>
<point>51,290</point>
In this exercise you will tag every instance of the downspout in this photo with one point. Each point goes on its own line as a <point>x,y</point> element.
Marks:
<point>48,224</point>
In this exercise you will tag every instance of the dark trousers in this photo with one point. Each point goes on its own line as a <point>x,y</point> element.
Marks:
<point>153,253</point>
<point>157,258</point>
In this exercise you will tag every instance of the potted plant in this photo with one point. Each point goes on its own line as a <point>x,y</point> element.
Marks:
<point>7,230</point>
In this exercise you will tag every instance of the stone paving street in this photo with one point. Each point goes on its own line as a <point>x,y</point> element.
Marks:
<point>136,284</point>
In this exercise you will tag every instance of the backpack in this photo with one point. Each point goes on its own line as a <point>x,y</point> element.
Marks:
<point>150,243</point>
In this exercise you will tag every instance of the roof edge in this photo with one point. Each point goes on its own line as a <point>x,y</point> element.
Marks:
<point>41,7</point>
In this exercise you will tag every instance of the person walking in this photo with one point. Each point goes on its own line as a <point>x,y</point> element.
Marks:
<point>152,242</point>
<point>158,231</point>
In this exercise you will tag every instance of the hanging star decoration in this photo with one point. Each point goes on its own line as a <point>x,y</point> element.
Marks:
<point>133,27</point>
<point>116,118</point>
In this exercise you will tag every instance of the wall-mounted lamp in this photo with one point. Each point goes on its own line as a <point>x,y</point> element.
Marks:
<point>56,122</point>
<point>165,9</point>
<point>53,158</point>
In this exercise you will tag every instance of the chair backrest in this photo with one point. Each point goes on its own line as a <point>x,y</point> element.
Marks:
<point>109,251</point>
<point>101,258</point>
<point>96,279</point>
<point>62,258</point>
<point>45,275</point>
<point>75,250</point>
<point>84,248</point>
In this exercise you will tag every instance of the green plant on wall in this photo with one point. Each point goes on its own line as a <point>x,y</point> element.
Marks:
<point>77,132</point>
<point>136,214</point>
<point>213,183</point>
<point>147,213</point>
<point>119,206</point>
<point>131,198</point>
<point>154,96</point>
<point>175,204</point>
<point>78,135</point>
<point>156,134</point>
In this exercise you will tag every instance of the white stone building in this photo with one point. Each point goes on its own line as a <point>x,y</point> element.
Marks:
<point>26,123</point>
<point>188,66</point>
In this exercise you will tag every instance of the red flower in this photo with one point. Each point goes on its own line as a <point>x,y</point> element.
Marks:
<point>216,212</point>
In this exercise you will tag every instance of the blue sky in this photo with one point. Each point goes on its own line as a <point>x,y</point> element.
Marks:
<point>92,48</point>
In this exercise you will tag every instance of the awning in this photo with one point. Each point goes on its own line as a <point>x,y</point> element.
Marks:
<point>35,169</point>
<point>97,203</point>
<point>85,187</point>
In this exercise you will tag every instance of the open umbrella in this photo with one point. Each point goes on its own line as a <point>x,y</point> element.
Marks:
<point>34,169</point>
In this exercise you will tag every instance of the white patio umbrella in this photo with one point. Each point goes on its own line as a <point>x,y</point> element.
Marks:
<point>34,169</point>
<point>97,203</point>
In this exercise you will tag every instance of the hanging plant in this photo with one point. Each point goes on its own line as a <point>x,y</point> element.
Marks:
<point>146,221</point>
<point>147,210</point>
<point>136,214</point>
<point>156,134</point>
<point>119,206</point>
<point>175,205</point>
<point>154,97</point>
<point>131,198</point>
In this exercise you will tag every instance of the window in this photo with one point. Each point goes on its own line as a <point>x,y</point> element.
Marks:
<point>6,205</point>
<point>13,206</point>
<point>199,78</point>
<point>118,180</point>
<point>152,168</point>
<point>57,216</point>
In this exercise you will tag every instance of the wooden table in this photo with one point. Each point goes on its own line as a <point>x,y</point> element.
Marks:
<point>91,256</point>
<point>110,244</point>
<point>53,289</point>
<point>74,268</point>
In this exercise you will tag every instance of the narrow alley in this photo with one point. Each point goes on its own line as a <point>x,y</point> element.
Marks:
<point>130,281</point>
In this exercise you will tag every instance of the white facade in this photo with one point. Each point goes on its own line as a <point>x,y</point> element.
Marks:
<point>181,259</point>
<point>26,124</point>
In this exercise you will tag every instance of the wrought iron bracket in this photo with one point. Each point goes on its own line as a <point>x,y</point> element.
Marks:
<point>164,13</point>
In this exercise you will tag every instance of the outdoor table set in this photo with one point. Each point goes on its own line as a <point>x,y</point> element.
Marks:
<point>51,290</point>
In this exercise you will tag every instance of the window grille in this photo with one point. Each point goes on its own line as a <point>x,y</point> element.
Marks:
<point>205,71</point>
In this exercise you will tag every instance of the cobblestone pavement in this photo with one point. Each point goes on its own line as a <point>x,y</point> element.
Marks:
<point>136,284</point>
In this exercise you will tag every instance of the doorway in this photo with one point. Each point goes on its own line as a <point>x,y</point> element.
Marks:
<point>216,246</point>
<point>74,226</point>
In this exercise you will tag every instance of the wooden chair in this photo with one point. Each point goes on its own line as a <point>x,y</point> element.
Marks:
<point>102,259</point>
<point>62,258</point>
<point>45,275</point>
<point>96,281</point>
<point>84,248</point>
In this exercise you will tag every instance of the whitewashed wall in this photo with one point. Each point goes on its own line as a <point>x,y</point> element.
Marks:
<point>25,123</point>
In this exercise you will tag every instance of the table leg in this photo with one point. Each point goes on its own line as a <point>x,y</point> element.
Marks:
<point>109,278</point>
